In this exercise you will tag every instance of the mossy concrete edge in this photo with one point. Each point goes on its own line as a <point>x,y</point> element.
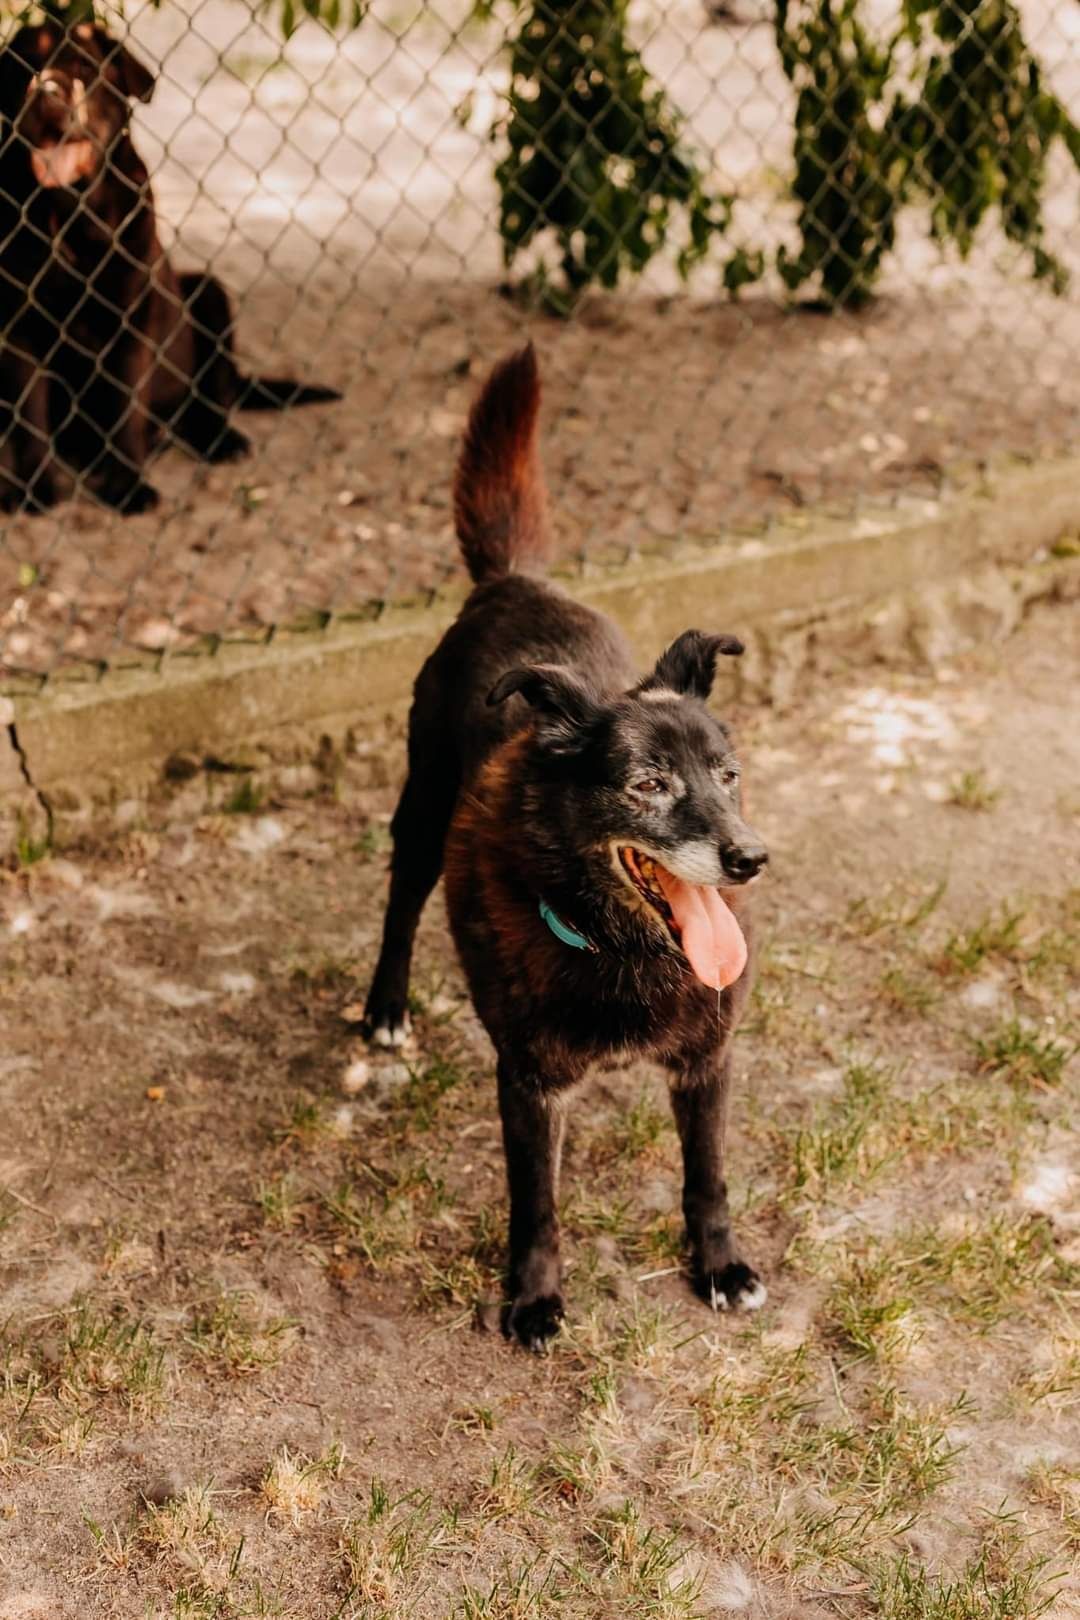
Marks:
<point>79,747</point>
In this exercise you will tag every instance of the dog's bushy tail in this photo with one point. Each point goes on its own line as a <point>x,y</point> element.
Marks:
<point>500,502</point>
<point>279,393</point>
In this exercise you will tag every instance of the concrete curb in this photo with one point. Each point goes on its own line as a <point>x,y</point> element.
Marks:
<point>915,581</point>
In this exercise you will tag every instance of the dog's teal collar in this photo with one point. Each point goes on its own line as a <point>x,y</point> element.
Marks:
<point>563,931</point>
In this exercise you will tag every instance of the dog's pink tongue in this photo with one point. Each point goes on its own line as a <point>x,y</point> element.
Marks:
<point>63,164</point>
<point>711,938</point>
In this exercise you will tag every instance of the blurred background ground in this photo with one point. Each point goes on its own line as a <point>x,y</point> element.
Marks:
<point>343,190</point>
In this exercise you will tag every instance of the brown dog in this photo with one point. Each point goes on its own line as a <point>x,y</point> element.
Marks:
<point>596,858</point>
<point>106,349</point>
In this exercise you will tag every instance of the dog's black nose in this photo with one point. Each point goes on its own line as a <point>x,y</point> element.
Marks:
<point>744,861</point>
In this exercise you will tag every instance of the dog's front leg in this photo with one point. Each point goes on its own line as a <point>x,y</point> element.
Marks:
<point>123,402</point>
<point>533,1122</point>
<point>28,430</point>
<point>699,1092</point>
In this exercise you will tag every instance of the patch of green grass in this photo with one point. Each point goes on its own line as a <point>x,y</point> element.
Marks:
<point>995,938</point>
<point>873,1127</point>
<point>586,1209</point>
<point>850,1139</point>
<point>305,1126</point>
<point>417,1105</point>
<point>457,1279</point>
<point>1056,952</point>
<point>869,1310</point>
<point>1017,1054</point>
<point>375,840</point>
<point>640,1129</point>
<point>641,1337</point>
<point>902,1453</point>
<point>1056,1379</point>
<point>391,1223</point>
<point>472,1420</point>
<point>533,1591</point>
<point>640,1566</point>
<point>57,1389</point>
<point>898,910</point>
<point>323,972</point>
<point>231,1333</point>
<point>111,1352</point>
<point>1013,1587</point>
<point>507,1491</point>
<point>575,1473</point>
<point>984,1268</point>
<point>246,799</point>
<point>386,1553</point>
<point>975,1275</point>
<point>769,1011</point>
<point>972,791</point>
<point>281,1202</point>
<point>29,850</point>
<point>909,992</point>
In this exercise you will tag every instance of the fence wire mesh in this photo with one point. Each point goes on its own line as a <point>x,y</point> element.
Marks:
<point>333,203</point>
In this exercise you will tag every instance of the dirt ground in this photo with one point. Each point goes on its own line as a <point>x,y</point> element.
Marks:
<point>343,191</point>
<point>250,1271</point>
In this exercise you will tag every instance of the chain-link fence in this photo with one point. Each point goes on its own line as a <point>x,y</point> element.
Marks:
<point>829,291</point>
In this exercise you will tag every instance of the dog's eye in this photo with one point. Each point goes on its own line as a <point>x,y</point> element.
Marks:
<point>651,784</point>
<point>730,777</point>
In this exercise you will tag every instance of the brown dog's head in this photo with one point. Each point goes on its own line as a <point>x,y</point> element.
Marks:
<point>66,94</point>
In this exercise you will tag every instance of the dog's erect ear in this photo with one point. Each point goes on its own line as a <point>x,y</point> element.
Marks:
<point>689,664</point>
<point>118,66</point>
<point>568,707</point>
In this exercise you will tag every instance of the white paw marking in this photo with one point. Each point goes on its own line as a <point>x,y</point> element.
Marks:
<point>717,1298</point>
<point>754,1297</point>
<point>391,1035</point>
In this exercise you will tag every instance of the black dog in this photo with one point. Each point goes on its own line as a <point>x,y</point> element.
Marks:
<point>589,823</point>
<point>106,350</point>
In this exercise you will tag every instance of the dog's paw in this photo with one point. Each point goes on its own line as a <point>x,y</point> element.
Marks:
<point>735,1286</point>
<point>228,446</point>
<point>534,1322</point>
<point>390,1035</point>
<point>129,498</point>
<point>31,499</point>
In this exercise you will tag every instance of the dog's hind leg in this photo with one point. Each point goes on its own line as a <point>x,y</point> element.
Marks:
<point>419,832</point>
<point>533,1123</point>
<point>699,1092</point>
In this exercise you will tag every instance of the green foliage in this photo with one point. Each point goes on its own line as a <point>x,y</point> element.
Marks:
<point>595,155</point>
<point>950,110</point>
<point>981,131</point>
<point>848,172</point>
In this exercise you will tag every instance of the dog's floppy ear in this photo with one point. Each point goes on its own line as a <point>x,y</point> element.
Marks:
<point>689,664</point>
<point>122,70</point>
<point>568,707</point>
<point>16,71</point>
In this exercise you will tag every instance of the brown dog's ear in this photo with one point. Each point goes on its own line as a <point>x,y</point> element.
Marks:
<point>16,70</point>
<point>689,664</point>
<point>118,66</point>
<point>568,707</point>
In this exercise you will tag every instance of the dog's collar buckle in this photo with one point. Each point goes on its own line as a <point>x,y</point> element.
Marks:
<point>563,931</point>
